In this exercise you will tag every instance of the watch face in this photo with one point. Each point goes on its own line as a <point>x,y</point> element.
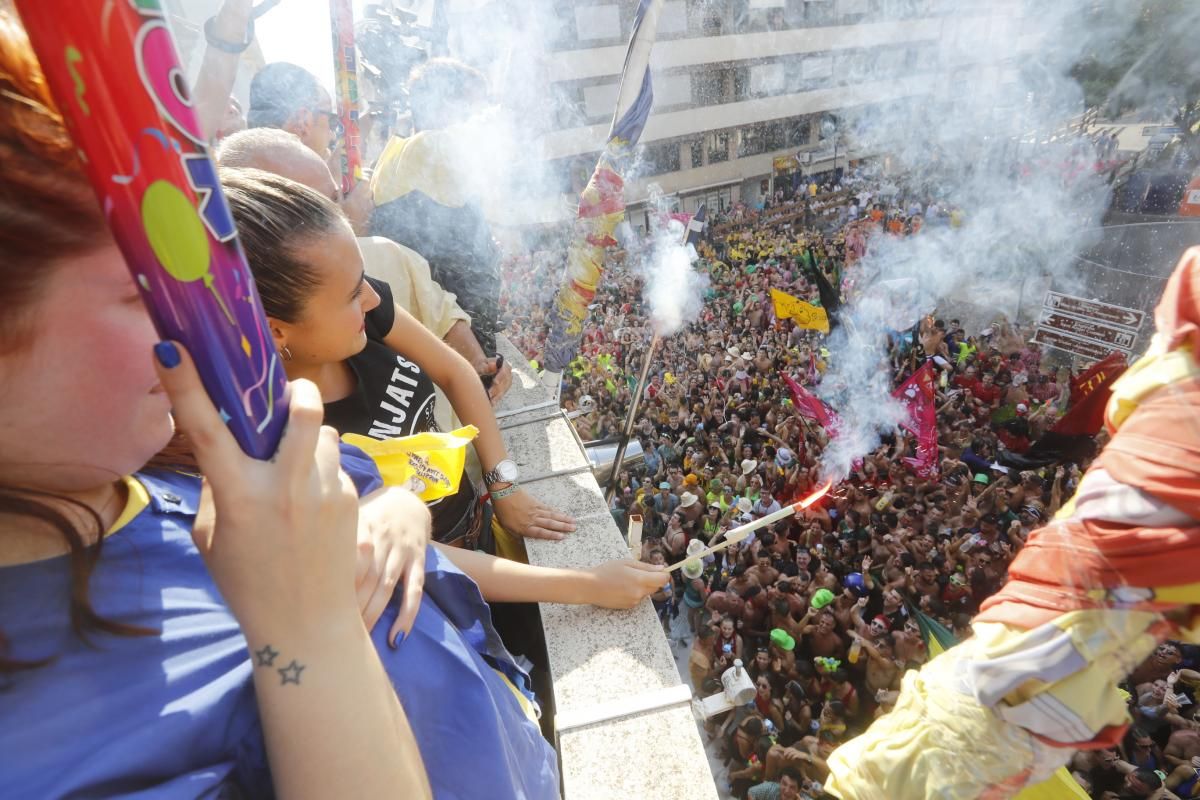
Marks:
<point>507,471</point>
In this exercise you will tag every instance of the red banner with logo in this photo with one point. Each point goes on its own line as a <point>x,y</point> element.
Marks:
<point>1089,397</point>
<point>1096,375</point>
<point>919,395</point>
<point>810,406</point>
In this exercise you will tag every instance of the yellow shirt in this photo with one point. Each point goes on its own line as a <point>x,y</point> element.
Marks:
<point>137,499</point>
<point>413,287</point>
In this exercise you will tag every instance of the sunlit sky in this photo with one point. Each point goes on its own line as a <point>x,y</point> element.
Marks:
<point>298,31</point>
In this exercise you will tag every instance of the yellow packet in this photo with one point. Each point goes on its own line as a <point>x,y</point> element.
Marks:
<point>429,464</point>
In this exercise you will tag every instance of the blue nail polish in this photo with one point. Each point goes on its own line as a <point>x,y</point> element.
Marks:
<point>399,638</point>
<point>167,354</point>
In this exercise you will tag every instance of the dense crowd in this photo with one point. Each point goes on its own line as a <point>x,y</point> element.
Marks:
<point>120,565</point>
<point>828,608</point>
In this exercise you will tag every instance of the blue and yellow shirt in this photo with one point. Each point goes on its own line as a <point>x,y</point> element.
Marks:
<point>173,715</point>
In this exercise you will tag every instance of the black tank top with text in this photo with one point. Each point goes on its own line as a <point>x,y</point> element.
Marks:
<point>395,397</point>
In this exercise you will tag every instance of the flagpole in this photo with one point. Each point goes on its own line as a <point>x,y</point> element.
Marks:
<point>691,234</point>
<point>630,419</point>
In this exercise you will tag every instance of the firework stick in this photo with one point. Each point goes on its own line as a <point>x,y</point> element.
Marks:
<point>739,533</point>
<point>117,80</point>
<point>635,536</point>
<point>345,66</point>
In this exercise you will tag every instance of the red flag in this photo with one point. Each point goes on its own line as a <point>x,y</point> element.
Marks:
<point>1095,376</point>
<point>1089,396</point>
<point>809,405</point>
<point>919,395</point>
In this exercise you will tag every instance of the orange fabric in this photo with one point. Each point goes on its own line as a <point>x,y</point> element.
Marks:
<point>1068,564</point>
<point>1157,449</point>
<point>1177,316</point>
<point>1190,207</point>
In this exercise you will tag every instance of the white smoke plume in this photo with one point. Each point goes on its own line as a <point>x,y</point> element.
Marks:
<point>977,139</point>
<point>672,287</point>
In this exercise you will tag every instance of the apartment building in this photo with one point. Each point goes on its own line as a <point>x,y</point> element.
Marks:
<point>746,91</point>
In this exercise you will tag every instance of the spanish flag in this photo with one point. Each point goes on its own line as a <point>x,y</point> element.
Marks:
<point>806,315</point>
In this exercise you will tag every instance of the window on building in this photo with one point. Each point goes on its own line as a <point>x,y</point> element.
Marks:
<point>775,137</point>
<point>597,23</point>
<point>659,158</point>
<point>708,18</point>
<point>672,20</point>
<point>717,144</point>
<point>750,141</point>
<point>799,133</point>
<point>741,83</point>
<point>715,200</point>
<point>708,86</point>
<point>558,172</point>
<point>599,100</point>
<point>861,67</point>
<point>562,34</point>
<point>697,150</point>
<point>818,67</point>
<point>672,89</point>
<point>853,11</point>
<point>889,63</point>
<point>820,12</point>
<point>767,79</point>
<point>568,107</point>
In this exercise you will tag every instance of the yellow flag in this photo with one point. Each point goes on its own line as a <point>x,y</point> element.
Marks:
<point>430,464</point>
<point>806,315</point>
<point>1061,786</point>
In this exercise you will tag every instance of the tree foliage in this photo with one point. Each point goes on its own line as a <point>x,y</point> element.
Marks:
<point>1155,68</point>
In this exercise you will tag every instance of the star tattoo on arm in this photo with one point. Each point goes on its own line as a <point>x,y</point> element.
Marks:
<point>266,656</point>
<point>291,673</point>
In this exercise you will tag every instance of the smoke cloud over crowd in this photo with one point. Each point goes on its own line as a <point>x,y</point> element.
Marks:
<point>977,145</point>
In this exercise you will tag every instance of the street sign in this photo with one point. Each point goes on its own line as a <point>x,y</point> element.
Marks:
<point>1083,328</point>
<point>1080,347</point>
<point>1095,310</point>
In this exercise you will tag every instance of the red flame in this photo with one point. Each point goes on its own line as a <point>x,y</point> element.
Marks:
<point>814,497</point>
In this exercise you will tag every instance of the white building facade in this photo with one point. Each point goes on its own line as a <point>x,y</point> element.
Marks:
<point>741,87</point>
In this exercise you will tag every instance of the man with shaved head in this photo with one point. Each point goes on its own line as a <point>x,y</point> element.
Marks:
<point>405,271</point>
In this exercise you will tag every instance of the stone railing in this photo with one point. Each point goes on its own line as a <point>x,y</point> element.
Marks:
<point>622,723</point>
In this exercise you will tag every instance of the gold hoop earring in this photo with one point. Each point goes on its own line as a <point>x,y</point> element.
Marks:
<point>287,354</point>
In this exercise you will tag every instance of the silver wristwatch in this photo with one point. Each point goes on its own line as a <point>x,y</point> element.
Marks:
<point>504,472</point>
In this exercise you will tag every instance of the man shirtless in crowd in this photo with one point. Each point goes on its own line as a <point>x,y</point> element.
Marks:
<point>823,638</point>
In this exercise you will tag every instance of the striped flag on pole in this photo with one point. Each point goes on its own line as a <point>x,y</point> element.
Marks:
<point>602,204</point>
<point>695,226</point>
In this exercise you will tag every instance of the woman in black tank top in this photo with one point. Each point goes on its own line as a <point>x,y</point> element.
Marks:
<point>375,365</point>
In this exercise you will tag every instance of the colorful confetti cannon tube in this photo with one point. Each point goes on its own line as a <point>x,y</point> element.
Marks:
<point>345,66</point>
<point>115,75</point>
